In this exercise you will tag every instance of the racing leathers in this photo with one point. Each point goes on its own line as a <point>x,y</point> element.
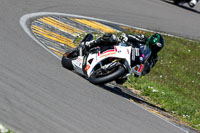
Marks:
<point>146,56</point>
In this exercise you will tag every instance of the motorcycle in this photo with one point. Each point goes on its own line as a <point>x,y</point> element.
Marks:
<point>191,3</point>
<point>101,65</point>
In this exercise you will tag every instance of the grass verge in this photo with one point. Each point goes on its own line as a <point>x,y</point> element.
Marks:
<point>3,129</point>
<point>174,83</point>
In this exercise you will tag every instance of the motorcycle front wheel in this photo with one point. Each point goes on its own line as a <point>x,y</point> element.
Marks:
<point>66,60</point>
<point>100,78</point>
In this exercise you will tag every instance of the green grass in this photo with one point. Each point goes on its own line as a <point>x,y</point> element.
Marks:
<point>3,129</point>
<point>174,83</point>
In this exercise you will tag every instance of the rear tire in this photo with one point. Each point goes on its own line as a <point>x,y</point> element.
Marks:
<point>102,80</point>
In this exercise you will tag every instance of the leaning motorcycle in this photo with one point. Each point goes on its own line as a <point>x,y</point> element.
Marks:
<point>101,65</point>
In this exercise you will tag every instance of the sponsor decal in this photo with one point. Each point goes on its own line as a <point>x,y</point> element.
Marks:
<point>80,59</point>
<point>77,63</point>
<point>141,68</point>
<point>108,52</point>
<point>127,51</point>
<point>115,48</point>
<point>87,67</point>
<point>133,54</point>
<point>137,52</point>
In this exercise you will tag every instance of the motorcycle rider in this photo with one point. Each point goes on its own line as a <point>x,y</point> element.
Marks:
<point>148,48</point>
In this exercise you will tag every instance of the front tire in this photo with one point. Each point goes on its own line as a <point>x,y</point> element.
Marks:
<point>105,79</point>
<point>67,59</point>
<point>67,63</point>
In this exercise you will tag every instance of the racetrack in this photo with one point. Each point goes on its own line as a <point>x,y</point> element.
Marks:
<point>38,95</point>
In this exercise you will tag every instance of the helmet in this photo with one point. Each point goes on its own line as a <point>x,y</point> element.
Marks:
<point>156,42</point>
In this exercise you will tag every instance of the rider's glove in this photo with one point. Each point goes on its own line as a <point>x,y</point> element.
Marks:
<point>86,44</point>
<point>123,37</point>
<point>140,38</point>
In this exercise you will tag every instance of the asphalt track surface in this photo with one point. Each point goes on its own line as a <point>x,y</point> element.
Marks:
<point>37,95</point>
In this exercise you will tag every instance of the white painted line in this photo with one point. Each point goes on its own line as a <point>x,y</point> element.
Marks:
<point>24,22</point>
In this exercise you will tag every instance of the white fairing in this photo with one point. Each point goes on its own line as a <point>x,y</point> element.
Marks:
<point>77,64</point>
<point>121,52</point>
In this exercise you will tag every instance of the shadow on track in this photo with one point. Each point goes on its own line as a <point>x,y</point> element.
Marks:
<point>126,93</point>
<point>181,6</point>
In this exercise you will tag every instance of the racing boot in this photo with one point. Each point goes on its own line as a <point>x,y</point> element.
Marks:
<point>121,80</point>
<point>192,3</point>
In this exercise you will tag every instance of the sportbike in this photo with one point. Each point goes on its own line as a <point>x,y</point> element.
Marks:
<point>104,64</point>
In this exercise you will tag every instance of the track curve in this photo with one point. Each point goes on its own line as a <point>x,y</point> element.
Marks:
<point>38,95</point>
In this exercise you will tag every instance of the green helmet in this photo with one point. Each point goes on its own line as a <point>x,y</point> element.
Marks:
<point>156,42</point>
